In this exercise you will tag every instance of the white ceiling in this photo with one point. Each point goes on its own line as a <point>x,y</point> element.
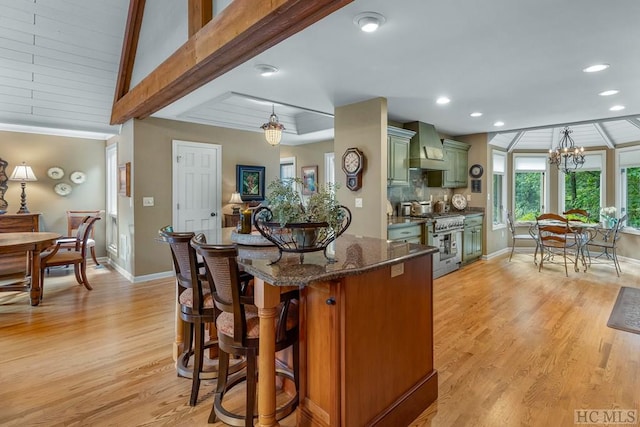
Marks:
<point>516,61</point>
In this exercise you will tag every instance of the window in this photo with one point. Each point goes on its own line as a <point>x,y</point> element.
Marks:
<point>584,189</point>
<point>530,186</point>
<point>499,188</point>
<point>112,198</point>
<point>628,183</point>
<point>287,168</point>
<point>329,168</point>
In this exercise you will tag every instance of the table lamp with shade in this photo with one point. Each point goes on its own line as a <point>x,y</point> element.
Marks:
<point>236,201</point>
<point>23,173</point>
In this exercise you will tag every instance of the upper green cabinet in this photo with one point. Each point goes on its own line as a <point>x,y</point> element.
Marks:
<point>456,156</point>
<point>398,156</point>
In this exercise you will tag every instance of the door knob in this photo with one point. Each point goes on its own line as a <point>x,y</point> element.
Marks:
<point>213,214</point>
<point>330,301</point>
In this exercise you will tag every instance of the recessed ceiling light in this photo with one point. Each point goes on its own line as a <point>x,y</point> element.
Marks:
<point>476,114</point>
<point>498,123</point>
<point>369,21</point>
<point>617,108</point>
<point>443,100</point>
<point>596,68</point>
<point>266,70</point>
<point>608,92</point>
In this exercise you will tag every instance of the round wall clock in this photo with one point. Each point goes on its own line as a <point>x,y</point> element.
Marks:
<point>476,171</point>
<point>77,177</point>
<point>62,189</point>
<point>55,172</point>
<point>352,165</point>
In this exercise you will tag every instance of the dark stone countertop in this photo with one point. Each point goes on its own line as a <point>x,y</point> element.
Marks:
<point>353,255</point>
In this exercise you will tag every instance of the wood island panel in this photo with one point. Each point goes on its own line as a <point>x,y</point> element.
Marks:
<point>378,338</point>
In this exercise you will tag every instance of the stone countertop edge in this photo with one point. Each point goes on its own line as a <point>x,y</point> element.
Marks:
<point>308,279</point>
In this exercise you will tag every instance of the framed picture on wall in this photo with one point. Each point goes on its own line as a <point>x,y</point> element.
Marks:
<point>124,180</point>
<point>250,182</point>
<point>309,179</point>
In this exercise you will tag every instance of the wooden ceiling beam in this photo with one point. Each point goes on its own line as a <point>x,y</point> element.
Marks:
<point>241,31</point>
<point>200,13</point>
<point>129,47</point>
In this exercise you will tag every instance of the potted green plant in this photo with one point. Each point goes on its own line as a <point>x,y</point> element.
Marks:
<point>310,220</point>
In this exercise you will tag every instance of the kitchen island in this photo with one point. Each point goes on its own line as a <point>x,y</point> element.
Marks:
<point>366,331</point>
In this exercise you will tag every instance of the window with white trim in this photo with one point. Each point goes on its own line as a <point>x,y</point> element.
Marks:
<point>628,184</point>
<point>112,198</point>
<point>529,186</point>
<point>287,168</point>
<point>584,188</point>
<point>499,166</point>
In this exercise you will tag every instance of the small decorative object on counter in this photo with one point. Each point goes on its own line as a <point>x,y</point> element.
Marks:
<point>245,220</point>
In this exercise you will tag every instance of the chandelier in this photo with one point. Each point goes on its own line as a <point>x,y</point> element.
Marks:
<point>566,156</point>
<point>273,129</point>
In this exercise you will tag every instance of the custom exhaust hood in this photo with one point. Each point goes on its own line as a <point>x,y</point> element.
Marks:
<point>425,148</point>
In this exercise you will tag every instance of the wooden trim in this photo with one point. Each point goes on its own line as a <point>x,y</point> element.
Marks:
<point>200,13</point>
<point>129,47</point>
<point>241,31</point>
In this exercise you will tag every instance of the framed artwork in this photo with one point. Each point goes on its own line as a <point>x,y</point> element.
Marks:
<point>309,179</point>
<point>124,180</point>
<point>250,182</point>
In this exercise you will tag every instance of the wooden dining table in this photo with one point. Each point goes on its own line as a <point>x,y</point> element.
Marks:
<point>33,243</point>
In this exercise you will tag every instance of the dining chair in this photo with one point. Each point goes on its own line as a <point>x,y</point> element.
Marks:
<point>605,241</point>
<point>576,215</point>
<point>532,236</point>
<point>238,328</point>
<point>556,238</point>
<point>77,256</point>
<point>74,219</point>
<point>582,234</point>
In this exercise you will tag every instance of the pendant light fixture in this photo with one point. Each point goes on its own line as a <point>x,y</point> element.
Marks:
<point>273,129</point>
<point>567,156</point>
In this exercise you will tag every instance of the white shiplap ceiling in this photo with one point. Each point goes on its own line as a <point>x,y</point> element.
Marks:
<point>516,61</point>
<point>59,62</point>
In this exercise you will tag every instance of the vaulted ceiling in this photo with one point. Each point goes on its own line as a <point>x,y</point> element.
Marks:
<point>516,62</point>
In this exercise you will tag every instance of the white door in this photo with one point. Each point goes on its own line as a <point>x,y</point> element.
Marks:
<point>197,170</point>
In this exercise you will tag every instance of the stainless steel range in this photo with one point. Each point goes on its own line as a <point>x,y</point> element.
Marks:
<point>445,233</point>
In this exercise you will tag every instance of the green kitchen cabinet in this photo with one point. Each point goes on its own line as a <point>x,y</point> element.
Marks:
<point>456,157</point>
<point>472,239</point>
<point>398,156</point>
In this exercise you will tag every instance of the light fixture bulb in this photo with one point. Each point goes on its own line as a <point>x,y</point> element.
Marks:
<point>273,129</point>
<point>369,21</point>
<point>498,123</point>
<point>443,100</point>
<point>608,92</point>
<point>595,68</point>
<point>476,114</point>
<point>617,108</point>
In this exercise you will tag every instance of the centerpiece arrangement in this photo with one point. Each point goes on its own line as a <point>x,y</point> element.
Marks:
<point>297,223</point>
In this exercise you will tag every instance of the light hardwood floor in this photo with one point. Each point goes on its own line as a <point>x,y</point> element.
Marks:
<point>513,347</point>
